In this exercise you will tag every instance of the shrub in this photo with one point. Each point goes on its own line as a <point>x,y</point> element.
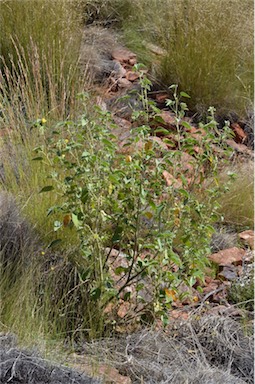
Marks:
<point>121,202</point>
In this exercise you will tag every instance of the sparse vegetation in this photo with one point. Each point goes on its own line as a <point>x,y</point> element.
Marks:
<point>96,234</point>
<point>210,59</point>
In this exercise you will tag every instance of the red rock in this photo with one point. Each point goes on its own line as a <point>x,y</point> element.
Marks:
<point>240,148</point>
<point>132,61</point>
<point>212,286</point>
<point>161,97</point>
<point>240,135</point>
<point>170,180</point>
<point>132,76</point>
<point>228,256</point>
<point>123,55</point>
<point>124,308</point>
<point>247,237</point>
<point>169,120</point>
<point>95,368</point>
<point>178,314</point>
<point>160,142</point>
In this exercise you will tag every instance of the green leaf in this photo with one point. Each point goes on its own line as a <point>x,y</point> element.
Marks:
<point>184,192</point>
<point>95,293</point>
<point>76,221</point>
<point>176,259</point>
<point>84,195</point>
<point>117,235</point>
<point>47,189</point>
<point>39,158</point>
<point>162,130</point>
<point>184,94</point>
<point>185,124</point>
<point>57,225</point>
<point>127,296</point>
<point>118,271</point>
<point>54,243</point>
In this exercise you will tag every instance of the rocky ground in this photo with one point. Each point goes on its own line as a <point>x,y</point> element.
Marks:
<point>205,343</point>
<point>209,349</point>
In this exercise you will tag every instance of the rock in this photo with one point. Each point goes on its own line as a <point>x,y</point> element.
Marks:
<point>240,135</point>
<point>168,120</point>
<point>247,237</point>
<point>123,130</point>
<point>161,97</point>
<point>228,272</point>
<point>170,180</point>
<point>124,83</point>
<point>239,148</point>
<point>132,76</point>
<point>212,286</point>
<point>228,256</point>
<point>118,70</point>
<point>159,143</point>
<point>156,49</point>
<point>123,55</point>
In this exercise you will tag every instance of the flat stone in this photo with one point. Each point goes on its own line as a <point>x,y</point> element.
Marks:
<point>132,76</point>
<point>247,237</point>
<point>228,256</point>
<point>123,55</point>
<point>240,135</point>
<point>124,83</point>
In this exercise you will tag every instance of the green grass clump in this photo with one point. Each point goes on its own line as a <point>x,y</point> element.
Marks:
<point>208,45</point>
<point>39,63</point>
<point>237,203</point>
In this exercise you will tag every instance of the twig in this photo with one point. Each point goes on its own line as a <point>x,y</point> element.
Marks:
<point>200,305</point>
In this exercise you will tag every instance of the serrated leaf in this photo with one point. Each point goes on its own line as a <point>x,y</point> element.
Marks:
<point>47,189</point>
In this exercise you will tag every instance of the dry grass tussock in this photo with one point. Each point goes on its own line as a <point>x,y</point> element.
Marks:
<point>212,350</point>
<point>24,367</point>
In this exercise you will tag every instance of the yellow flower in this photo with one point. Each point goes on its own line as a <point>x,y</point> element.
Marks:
<point>43,120</point>
<point>66,140</point>
<point>128,159</point>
